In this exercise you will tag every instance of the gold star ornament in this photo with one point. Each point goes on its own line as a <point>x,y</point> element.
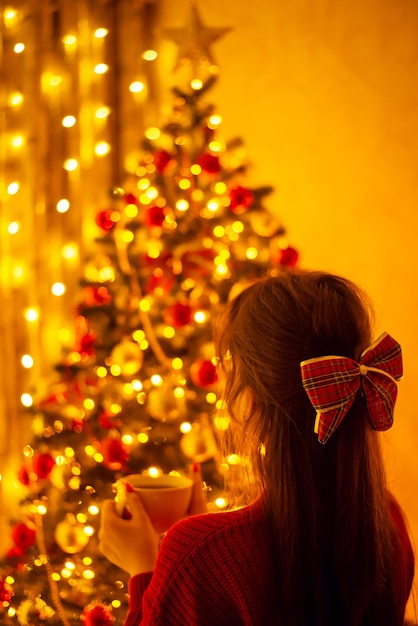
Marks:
<point>194,41</point>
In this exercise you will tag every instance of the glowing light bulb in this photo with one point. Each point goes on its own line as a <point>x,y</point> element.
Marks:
<point>149,55</point>
<point>69,251</point>
<point>27,361</point>
<point>63,205</point>
<point>15,99</point>
<point>13,228</point>
<point>13,188</point>
<point>101,68</point>
<point>17,141</point>
<point>102,148</point>
<point>70,165</point>
<point>19,47</point>
<point>196,84</point>
<point>152,133</point>
<point>26,399</point>
<point>137,86</point>
<point>31,315</point>
<point>99,33</point>
<point>58,289</point>
<point>102,112</point>
<point>68,121</point>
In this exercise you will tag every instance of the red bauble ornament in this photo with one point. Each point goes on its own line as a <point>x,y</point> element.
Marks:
<point>97,615</point>
<point>23,536</point>
<point>108,420</point>
<point>288,257</point>
<point>96,296</point>
<point>43,464</point>
<point>154,216</point>
<point>131,199</point>
<point>161,281</point>
<point>161,159</point>
<point>209,163</point>
<point>6,591</point>
<point>241,199</point>
<point>178,314</point>
<point>104,221</point>
<point>86,344</point>
<point>23,476</point>
<point>203,373</point>
<point>115,454</point>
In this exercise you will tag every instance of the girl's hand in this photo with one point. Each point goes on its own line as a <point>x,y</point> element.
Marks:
<point>131,544</point>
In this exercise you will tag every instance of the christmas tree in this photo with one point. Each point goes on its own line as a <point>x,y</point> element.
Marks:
<point>137,393</point>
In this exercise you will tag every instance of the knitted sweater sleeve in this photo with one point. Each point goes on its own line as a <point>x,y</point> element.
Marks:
<point>184,588</point>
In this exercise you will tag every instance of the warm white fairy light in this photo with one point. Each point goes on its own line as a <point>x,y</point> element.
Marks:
<point>13,188</point>
<point>26,400</point>
<point>156,380</point>
<point>15,99</point>
<point>27,361</point>
<point>152,133</point>
<point>17,141</point>
<point>142,437</point>
<point>102,148</point>
<point>63,205</point>
<point>185,427</point>
<point>102,112</point>
<point>58,289</point>
<point>31,314</point>
<point>137,86</point>
<point>196,84</point>
<point>149,55</point>
<point>70,165</point>
<point>101,68</point>
<point>13,228</point>
<point>69,121</point>
<point>69,251</point>
<point>100,33</point>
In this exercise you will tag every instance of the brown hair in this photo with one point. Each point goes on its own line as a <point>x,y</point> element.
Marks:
<point>327,505</point>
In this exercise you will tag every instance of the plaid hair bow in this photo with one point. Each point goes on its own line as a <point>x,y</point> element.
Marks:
<point>332,382</point>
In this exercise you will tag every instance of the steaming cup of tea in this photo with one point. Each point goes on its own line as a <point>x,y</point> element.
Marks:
<point>166,498</point>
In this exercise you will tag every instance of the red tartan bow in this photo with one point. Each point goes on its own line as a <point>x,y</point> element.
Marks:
<point>332,382</point>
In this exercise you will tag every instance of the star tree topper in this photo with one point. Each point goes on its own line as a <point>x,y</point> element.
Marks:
<point>194,41</point>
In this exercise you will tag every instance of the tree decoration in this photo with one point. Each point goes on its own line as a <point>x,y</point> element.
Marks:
<point>97,615</point>
<point>136,389</point>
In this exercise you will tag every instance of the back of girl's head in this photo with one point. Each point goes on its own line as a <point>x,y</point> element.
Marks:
<point>326,504</point>
<point>276,323</point>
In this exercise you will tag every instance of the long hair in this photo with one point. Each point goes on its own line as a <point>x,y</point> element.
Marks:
<point>327,505</point>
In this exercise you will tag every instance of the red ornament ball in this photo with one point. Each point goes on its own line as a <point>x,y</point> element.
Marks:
<point>154,216</point>
<point>115,454</point>
<point>241,199</point>
<point>43,465</point>
<point>96,296</point>
<point>97,615</point>
<point>104,221</point>
<point>162,159</point>
<point>203,373</point>
<point>178,314</point>
<point>209,163</point>
<point>287,257</point>
<point>23,536</point>
<point>131,199</point>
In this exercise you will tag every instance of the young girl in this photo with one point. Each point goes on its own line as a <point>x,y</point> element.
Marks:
<point>323,543</point>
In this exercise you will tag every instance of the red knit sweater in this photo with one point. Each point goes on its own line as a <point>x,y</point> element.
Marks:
<point>213,570</point>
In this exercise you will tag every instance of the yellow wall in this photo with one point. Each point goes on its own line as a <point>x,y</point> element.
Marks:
<point>325,95</point>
